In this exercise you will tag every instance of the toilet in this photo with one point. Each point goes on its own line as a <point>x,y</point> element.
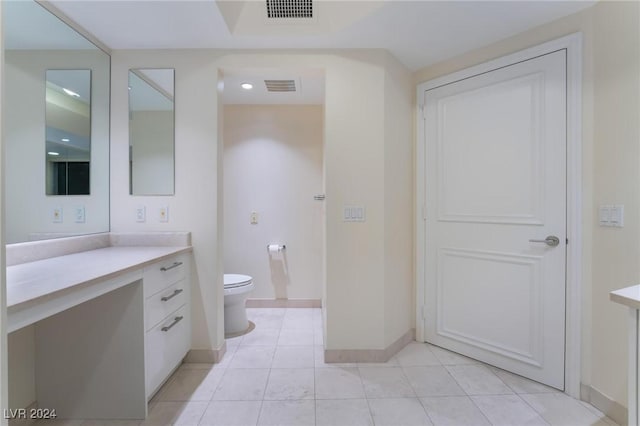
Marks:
<point>236,290</point>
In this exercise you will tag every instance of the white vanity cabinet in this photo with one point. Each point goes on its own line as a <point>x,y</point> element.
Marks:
<point>111,325</point>
<point>166,287</point>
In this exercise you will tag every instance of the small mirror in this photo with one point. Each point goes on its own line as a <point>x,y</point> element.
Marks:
<point>68,132</point>
<point>151,132</point>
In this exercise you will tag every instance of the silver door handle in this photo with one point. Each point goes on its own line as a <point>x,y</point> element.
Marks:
<point>551,241</point>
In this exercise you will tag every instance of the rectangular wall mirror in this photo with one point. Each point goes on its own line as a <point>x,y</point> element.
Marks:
<point>68,132</point>
<point>151,132</point>
<point>56,127</point>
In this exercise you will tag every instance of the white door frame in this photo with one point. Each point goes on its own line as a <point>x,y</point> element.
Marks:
<point>573,44</point>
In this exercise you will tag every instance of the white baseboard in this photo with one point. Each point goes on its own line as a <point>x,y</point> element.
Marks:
<point>612,409</point>
<point>369,355</point>
<point>284,303</point>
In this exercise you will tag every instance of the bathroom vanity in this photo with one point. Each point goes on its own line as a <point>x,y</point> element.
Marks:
<point>630,296</point>
<point>111,325</point>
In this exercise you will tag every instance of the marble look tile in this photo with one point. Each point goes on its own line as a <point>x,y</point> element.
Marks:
<point>450,358</point>
<point>261,337</point>
<point>318,336</point>
<point>242,384</point>
<point>252,357</point>
<point>352,412</point>
<point>175,413</point>
<point>453,411</point>
<point>228,357</point>
<point>287,413</point>
<point>266,318</point>
<point>293,337</point>
<point>298,323</point>
<point>384,382</point>
<point>478,380</point>
<point>191,385</point>
<point>416,354</point>
<point>560,409</point>
<point>290,384</point>
<point>520,384</point>
<point>398,412</point>
<point>507,410</point>
<point>432,381</point>
<point>293,357</point>
<point>231,413</point>
<point>338,383</point>
<point>234,341</point>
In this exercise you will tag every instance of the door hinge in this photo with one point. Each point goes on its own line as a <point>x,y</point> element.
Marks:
<point>567,241</point>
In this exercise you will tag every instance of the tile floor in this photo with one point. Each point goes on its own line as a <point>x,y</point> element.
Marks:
<point>276,375</point>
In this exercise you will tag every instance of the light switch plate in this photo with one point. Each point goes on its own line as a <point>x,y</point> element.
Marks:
<point>163,214</point>
<point>616,217</point>
<point>604,213</point>
<point>354,214</point>
<point>141,214</point>
<point>79,214</point>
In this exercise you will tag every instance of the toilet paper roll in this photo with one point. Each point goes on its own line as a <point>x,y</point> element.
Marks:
<point>275,248</point>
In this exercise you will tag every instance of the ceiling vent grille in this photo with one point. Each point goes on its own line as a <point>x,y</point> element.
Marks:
<point>289,8</point>
<point>280,85</point>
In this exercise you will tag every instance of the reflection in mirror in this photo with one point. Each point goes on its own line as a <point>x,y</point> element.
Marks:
<point>68,132</point>
<point>151,132</point>
<point>42,57</point>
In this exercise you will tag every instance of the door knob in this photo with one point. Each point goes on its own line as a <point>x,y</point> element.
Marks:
<point>551,241</point>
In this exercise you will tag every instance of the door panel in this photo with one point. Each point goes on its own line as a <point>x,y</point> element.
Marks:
<point>495,179</point>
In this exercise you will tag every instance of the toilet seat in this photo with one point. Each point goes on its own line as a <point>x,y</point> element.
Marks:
<point>236,280</point>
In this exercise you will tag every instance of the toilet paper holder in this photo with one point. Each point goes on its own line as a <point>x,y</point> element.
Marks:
<point>275,247</point>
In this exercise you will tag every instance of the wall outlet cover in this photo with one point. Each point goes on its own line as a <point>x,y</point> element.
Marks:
<point>56,215</point>
<point>163,214</point>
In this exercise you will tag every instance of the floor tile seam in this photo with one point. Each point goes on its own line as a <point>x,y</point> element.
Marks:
<point>480,409</point>
<point>482,394</point>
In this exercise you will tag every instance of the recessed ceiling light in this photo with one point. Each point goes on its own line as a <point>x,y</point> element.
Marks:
<point>70,93</point>
<point>247,86</point>
<point>53,153</point>
<point>64,140</point>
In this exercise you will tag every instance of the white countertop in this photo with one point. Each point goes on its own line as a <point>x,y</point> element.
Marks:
<point>629,296</point>
<point>29,281</point>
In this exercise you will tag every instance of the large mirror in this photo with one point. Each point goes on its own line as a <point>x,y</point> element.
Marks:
<point>56,140</point>
<point>68,132</point>
<point>151,132</point>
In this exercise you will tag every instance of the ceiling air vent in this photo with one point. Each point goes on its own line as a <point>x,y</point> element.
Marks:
<point>280,85</point>
<point>289,8</point>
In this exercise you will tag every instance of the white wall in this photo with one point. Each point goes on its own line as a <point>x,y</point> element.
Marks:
<point>611,148</point>
<point>29,209</point>
<point>273,166</point>
<point>355,174</point>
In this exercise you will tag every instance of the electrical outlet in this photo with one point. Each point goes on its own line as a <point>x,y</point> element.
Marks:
<point>163,214</point>
<point>56,215</point>
<point>254,218</point>
<point>141,214</point>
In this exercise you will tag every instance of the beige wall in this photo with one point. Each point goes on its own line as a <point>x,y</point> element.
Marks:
<point>610,111</point>
<point>355,145</point>
<point>273,166</point>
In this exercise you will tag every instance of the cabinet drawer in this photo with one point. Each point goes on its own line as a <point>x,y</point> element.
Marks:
<point>162,274</point>
<point>165,346</point>
<point>161,304</point>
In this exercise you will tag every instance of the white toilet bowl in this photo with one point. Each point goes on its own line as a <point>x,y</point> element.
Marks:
<point>236,290</point>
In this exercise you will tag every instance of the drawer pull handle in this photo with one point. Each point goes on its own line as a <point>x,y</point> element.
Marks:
<point>175,321</point>
<point>175,293</point>
<point>166,268</point>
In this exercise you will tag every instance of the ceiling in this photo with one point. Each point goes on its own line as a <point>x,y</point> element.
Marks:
<point>418,33</point>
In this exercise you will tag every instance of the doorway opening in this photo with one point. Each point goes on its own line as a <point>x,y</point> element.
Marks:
<point>273,162</point>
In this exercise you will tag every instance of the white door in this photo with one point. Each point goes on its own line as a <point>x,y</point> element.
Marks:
<point>495,180</point>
